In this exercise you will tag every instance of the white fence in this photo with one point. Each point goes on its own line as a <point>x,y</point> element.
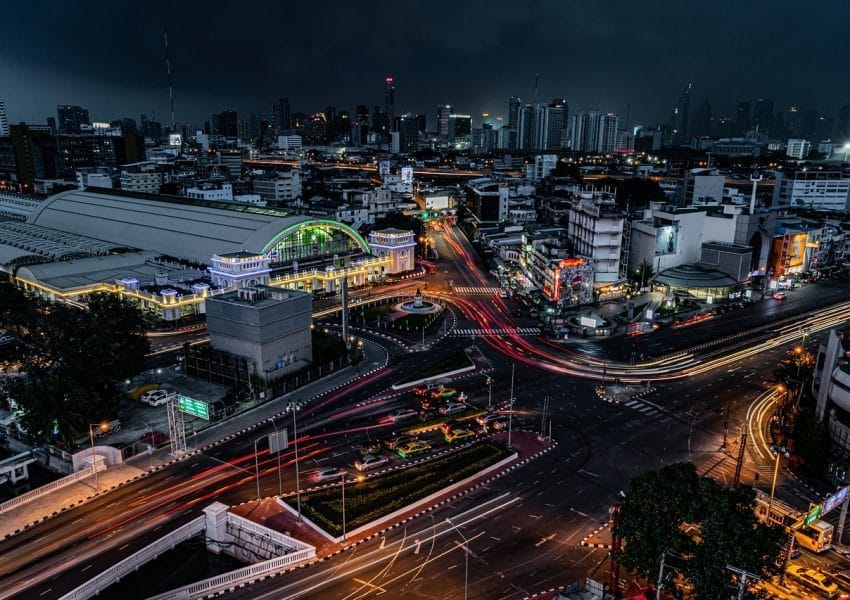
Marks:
<point>245,574</point>
<point>134,561</point>
<point>50,487</point>
<point>237,577</point>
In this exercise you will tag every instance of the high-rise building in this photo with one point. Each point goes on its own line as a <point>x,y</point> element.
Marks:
<point>362,117</point>
<point>793,122</point>
<point>555,121</point>
<point>763,116</point>
<point>282,116</point>
<point>583,131</point>
<point>842,130</point>
<point>406,127</point>
<point>459,126</point>
<point>72,118</point>
<point>443,112</point>
<point>4,121</point>
<point>679,117</point>
<point>229,123</point>
<point>389,97</point>
<point>528,122</point>
<point>606,138</point>
<point>514,105</point>
<point>742,118</point>
<point>701,123</point>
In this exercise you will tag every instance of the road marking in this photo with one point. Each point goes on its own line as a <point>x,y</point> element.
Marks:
<point>124,546</point>
<point>588,473</point>
<point>77,521</point>
<point>47,591</point>
<point>371,585</point>
<point>578,512</point>
<point>536,516</point>
<point>86,568</point>
<point>544,540</point>
<point>418,546</point>
<point>493,537</point>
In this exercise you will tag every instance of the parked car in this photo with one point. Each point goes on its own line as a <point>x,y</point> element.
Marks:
<point>155,397</point>
<point>457,435</point>
<point>413,448</point>
<point>403,414</point>
<point>327,474</point>
<point>371,461</point>
<point>814,579</point>
<point>154,438</point>
<point>452,408</point>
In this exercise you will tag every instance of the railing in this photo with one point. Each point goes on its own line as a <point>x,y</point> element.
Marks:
<point>134,561</point>
<point>261,531</point>
<point>49,487</point>
<point>237,577</point>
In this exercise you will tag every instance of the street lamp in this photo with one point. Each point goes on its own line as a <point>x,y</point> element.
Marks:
<point>342,476</point>
<point>777,451</point>
<point>103,427</point>
<point>466,560</point>
<point>489,393</point>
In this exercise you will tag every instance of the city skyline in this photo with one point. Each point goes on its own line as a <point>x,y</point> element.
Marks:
<point>617,57</point>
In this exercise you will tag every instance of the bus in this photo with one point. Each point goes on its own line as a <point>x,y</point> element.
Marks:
<point>816,537</point>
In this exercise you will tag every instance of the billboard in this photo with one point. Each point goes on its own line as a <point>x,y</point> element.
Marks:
<point>175,139</point>
<point>383,167</point>
<point>666,240</point>
<point>835,500</point>
<point>407,174</point>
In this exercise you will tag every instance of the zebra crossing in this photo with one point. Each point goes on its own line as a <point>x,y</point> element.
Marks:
<point>498,331</point>
<point>645,409</point>
<point>472,290</point>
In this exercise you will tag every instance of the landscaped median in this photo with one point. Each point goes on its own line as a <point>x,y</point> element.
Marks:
<point>455,364</point>
<point>377,498</point>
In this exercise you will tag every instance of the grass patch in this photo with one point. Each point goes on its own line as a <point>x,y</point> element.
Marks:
<point>380,496</point>
<point>371,313</point>
<point>411,322</point>
<point>458,360</point>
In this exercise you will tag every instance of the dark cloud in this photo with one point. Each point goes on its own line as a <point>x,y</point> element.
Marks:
<point>474,54</point>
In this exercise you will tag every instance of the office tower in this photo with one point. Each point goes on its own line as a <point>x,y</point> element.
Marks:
<point>528,126</point>
<point>71,118</point>
<point>459,126</point>
<point>585,131</point>
<point>679,117</point>
<point>362,116</point>
<point>51,124</point>
<point>443,112</point>
<point>842,131</point>
<point>701,123</point>
<point>229,122</point>
<point>4,121</point>
<point>793,121</point>
<point>763,116</point>
<point>514,105</point>
<point>407,127</point>
<point>282,116</point>
<point>742,118</point>
<point>389,97</point>
<point>554,121</point>
<point>606,137</point>
<point>422,122</point>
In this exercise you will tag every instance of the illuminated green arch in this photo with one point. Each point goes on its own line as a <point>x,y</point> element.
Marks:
<point>296,228</point>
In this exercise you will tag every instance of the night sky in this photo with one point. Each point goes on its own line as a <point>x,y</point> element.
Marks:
<point>107,55</point>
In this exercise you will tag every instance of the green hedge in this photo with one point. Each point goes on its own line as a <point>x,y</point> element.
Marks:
<point>380,496</point>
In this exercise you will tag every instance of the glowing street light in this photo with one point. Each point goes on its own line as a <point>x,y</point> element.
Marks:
<point>103,427</point>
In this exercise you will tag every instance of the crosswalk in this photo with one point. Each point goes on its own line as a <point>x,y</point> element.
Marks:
<point>473,290</point>
<point>642,407</point>
<point>498,331</point>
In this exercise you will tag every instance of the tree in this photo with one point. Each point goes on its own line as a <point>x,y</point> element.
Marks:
<point>811,440</point>
<point>723,529</point>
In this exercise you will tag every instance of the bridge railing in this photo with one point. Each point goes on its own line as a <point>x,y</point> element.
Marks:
<point>50,487</point>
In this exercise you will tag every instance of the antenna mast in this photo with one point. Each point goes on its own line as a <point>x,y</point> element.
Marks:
<point>168,69</point>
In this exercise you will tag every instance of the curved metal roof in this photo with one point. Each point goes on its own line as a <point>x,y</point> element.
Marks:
<point>174,226</point>
<point>694,276</point>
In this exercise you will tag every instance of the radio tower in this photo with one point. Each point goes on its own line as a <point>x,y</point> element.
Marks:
<point>168,69</point>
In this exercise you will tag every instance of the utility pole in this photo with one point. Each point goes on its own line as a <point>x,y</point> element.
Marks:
<point>742,579</point>
<point>740,463</point>
<point>616,545</point>
<point>842,519</point>
<point>545,412</point>
<point>661,574</point>
<point>511,413</point>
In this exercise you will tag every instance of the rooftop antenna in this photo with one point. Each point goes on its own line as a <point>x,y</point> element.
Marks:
<point>168,68</point>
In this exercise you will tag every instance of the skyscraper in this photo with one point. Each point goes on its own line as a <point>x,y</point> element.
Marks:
<point>585,131</point>
<point>514,105</point>
<point>4,121</point>
<point>701,123</point>
<point>71,118</point>
<point>407,127</point>
<point>282,116</point>
<point>742,118</point>
<point>555,120</point>
<point>763,115</point>
<point>389,97</point>
<point>679,117</point>
<point>443,112</point>
<point>606,137</point>
<point>528,127</point>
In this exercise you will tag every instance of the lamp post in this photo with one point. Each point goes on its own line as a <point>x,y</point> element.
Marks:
<point>91,437</point>
<point>466,560</point>
<point>342,476</point>
<point>257,465</point>
<point>279,476</point>
<point>489,393</point>
<point>511,412</point>
<point>297,477</point>
<point>777,451</point>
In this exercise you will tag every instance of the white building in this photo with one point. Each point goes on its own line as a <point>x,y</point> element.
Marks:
<point>354,216</point>
<point>208,191</point>
<point>398,244</point>
<point>798,149</point>
<point>822,190</point>
<point>141,177</point>
<point>4,121</point>
<point>377,201</point>
<point>289,142</point>
<point>703,186</point>
<point>279,187</point>
<point>544,164</point>
<point>98,178</point>
<point>606,138</point>
<point>596,229</point>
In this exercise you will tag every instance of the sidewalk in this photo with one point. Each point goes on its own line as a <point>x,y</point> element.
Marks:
<point>40,509</point>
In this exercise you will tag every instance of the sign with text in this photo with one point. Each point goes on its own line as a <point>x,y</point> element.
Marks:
<point>813,514</point>
<point>835,500</point>
<point>196,408</point>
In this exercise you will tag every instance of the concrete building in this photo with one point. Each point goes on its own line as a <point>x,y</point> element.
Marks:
<point>100,178</point>
<point>702,186</point>
<point>141,177</point>
<point>488,200</point>
<point>267,326</point>
<point>399,245</point>
<point>817,189</point>
<point>4,120</point>
<point>278,188</point>
<point>379,202</point>
<point>211,191</point>
<point>831,388</point>
<point>544,164</point>
<point>289,142</point>
<point>797,148</point>
<point>596,229</point>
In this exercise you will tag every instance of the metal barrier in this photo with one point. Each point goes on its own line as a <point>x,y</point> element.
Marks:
<point>134,561</point>
<point>49,487</point>
<point>262,531</point>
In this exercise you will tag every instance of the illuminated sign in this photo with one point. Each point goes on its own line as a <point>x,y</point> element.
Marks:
<point>666,240</point>
<point>196,408</point>
<point>407,175</point>
<point>571,262</point>
<point>175,139</point>
<point>835,500</point>
<point>813,514</point>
